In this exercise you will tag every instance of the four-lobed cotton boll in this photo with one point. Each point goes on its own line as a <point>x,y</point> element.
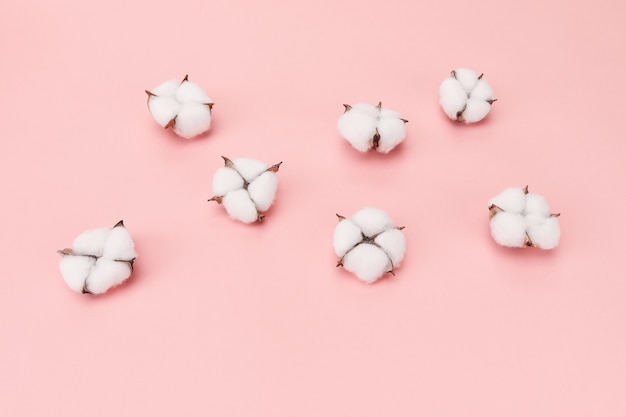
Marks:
<point>368,244</point>
<point>369,127</point>
<point>98,260</point>
<point>466,96</point>
<point>181,105</point>
<point>520,219</point>
<point>246,188</point>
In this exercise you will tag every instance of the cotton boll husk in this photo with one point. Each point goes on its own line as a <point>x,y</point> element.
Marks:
<point>482,90</point>
<point>509,229</point>
<point>536,204</point>
<point>368,109</point>
<point>249,168</point>
<point>367,262</point>
<point>192,120</point>
<point>239,206</point>
<point>476,110</point>
<point>166,89</point>
<point>358,128</point>
<point>394,244</point>
<point>346,236</point>
<point>119,245</point>
<point>544,232</point>
<point>372,221</point>
<point>263,189</point>
<point>163,109</point>
<point>392,132</point>
<point>91,242</point>
<point>106,274</point>
<point>75,269</point>
<point>190,92</point>
<point>452,97</point>
<point>226,180</point>
<point>467,78</point>
<point>512,200</point>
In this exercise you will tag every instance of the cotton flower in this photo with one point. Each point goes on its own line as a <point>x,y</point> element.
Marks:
<point>368,244</point>
<point>519,219</point>
<point>465,96</point>
<point>372,127</point>
<point>181,105</point>
<point>246,188</point>
<point>98,260</point>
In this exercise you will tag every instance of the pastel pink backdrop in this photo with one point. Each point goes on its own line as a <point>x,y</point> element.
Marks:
<point>224,319</point>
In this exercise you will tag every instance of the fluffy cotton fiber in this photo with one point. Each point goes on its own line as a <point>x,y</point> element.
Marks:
<point>372,127</point>
<point>520,219</point>
<point>246,188</point>
<point>368,244</point>
<point>465,96</point>
<point>181,105</point>
<point>98,260</point>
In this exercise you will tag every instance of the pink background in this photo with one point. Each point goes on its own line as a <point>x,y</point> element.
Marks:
<point>224,319</point>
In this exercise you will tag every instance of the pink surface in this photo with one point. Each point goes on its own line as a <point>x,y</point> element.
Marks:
<point>224,319</point>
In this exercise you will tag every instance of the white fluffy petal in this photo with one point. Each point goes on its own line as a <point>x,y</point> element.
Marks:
<point>163,109</point>
<point>346,236</point>
<point>512,200</point>
<point>358,127</point>
<point>226,180</point>
<point>106,274</point>
<point>192,120</point>
<point>509,229</point>
<point>249,168</point>
<point>167,89</point>
<point>452,97</point>
<point>467,78</point>
<point>385,112</point>
<point>476,110</point>
<point>239,206</point>
<point>392,132</point>
<point>263,190</point>
<point>75,270</point>
<point>372,221</point>
<point>367,262</point>
<point>190,92</point>
<point>119,245</point>
<point>482,90</point>
<point>367,108</point>
<point>536,204</point>
<point>394,244</point>
<point>91,242</point>
<point>544,232</point>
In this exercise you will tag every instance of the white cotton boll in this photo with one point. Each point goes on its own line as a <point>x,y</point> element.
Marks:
<point>512,199</point>
<point>367,262</point>
<point>190,92</point>
<point>192,120</point>
<point>372,221</point>
<point>239,206</point>
<point>91,242</point>
<point>392,132</point>
<point>163,109</point>
<point>347,235</point>
<point>509,229</point>
<point>394,244</point>
<point>75,270</point>
<point>476,110</point>
<point>544,232</point>
<point>226,180</point>
<point>249,168</point>
<point>107,274</point>
<point>357,127</point>
<point>452,97</point>
<point>467,78</point>
<point>536,204</point>
<point>167,89</point>
<point>263,189</point>
<point>119,245</point>
<point>482,90</point>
